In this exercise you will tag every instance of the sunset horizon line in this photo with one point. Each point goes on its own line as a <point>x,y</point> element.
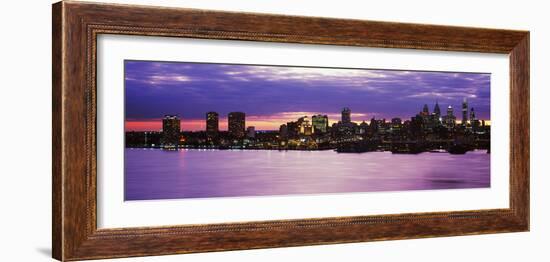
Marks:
<point>199,124</point>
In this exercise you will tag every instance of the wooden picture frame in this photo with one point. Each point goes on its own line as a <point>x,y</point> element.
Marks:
<point>76,26</point>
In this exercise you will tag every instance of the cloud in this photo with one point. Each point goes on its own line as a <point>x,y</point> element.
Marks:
<point>191,89</point>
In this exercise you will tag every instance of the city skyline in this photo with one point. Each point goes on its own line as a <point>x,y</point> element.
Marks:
<point>222,124</point>
<point>196,130</point>
<point>273,95</point>
<point>425,131</point>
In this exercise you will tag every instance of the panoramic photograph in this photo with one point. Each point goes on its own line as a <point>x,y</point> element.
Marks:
<point>203,130</point>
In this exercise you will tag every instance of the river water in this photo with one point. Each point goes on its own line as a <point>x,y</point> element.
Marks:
<point>194,173</point>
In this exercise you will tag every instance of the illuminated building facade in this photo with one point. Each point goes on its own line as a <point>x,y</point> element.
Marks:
<point>304,126</point>
<point>212,124</point>
<point>450,119</point>
<point>320,123</point>
<point>464,112</point>
<point>170,131</point>
<point>236,124</point>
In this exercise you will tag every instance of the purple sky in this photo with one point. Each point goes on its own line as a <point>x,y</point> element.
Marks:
<point>272,95</point>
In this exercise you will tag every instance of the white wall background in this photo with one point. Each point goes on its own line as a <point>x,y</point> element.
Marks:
<point>25,158</point>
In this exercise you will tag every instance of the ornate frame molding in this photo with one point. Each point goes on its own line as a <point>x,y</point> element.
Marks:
<point>76,26</point>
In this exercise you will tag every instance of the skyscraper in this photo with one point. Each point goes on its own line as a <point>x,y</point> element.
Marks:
<point>346,115</point>
<point>170,131</point>
<point>212,124</point>
<point>449,120</point>
<point>425,110</point>
<point>464,112</point>
<point>236,124</point>
<point>437,111</point>
<point>304,125</point>
<point>320,123</point>
<point>474,122</point>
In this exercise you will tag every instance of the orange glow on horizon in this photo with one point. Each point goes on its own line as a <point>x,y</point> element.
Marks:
<point>270,123</point>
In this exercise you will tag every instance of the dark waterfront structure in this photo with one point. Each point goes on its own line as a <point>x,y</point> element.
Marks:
<point>212,124</point>
<point>149,139</point>
<point>292,130</point>
<point>423,132</point>
<point>170,131</point>
<point>236,124</point>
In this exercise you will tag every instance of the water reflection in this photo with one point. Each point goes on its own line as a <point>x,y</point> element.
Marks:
<point>159,174</point>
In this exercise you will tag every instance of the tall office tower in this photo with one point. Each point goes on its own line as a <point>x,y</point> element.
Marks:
<point>450,119</point>
<point>212,124</point>
<point>450,111</point>
<point>474,122</point>
<point>320,123</point>
<point>236,124</point>
<point>304,126</point>
<point>437,111</point>
<point>346,115</point>
<point>464,112</point>
<point>170,131</point>
<point>425,111</point>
